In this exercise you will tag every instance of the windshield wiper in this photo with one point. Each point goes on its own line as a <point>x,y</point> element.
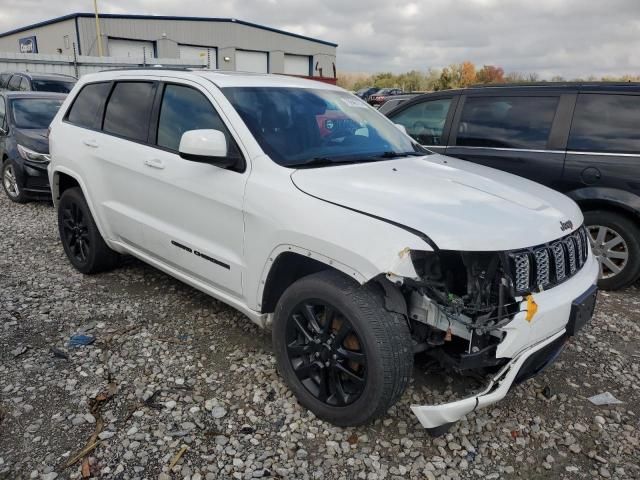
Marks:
<point>391,154</point>
<point>316,162</point>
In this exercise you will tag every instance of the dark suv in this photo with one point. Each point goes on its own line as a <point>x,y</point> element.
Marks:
<point>582,139</point>
<point>36,82</point>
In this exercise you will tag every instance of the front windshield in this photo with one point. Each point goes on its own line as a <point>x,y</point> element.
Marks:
<point>298,126</point>
<point>35,112</point>
<point>52,86</point>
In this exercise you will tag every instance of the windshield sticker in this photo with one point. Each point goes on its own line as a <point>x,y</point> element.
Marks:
<point>354,102</point>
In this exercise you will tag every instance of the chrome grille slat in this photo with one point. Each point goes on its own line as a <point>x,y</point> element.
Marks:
<point>547,265</point>
<point>542,266</point>
<point>571,250</point>
<point>522,270</point>
<point>558,260</point>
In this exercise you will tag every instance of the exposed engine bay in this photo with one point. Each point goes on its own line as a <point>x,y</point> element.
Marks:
<point>457,305</point>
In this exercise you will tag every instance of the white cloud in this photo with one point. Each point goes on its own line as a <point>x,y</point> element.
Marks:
<point>566,37</point>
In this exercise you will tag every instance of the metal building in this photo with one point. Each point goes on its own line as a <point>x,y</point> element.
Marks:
<point>224,43</point>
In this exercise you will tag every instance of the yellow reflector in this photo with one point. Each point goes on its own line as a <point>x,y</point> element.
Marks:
<point>532,308</point>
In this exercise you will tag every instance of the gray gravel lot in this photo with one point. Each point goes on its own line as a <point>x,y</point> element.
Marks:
<point>174,371</point>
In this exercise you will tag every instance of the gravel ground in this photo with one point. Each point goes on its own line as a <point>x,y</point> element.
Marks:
<point>173,372</point>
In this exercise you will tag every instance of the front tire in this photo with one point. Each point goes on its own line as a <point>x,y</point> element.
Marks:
<point>344,356</point>
<point>80,236</point>
<point>10,183</point>
<point>615,241</point>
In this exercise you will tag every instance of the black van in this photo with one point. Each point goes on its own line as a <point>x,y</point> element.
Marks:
<point>582,139</point>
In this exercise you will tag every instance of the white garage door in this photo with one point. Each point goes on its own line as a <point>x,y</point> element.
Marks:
<point>296,65</point>
<point>130,48</point>
<point>198,54</point>
<point>257,62</point>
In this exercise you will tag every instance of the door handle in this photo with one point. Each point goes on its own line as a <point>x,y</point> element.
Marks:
<point>154,163</point>
<point>90,143</point>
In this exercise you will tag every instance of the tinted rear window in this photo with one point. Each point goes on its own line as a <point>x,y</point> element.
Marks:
<point>51,86</point>
<point>128,110</point>
<point>506,122</point>
<point>606,123</point>
<point>87,105</point>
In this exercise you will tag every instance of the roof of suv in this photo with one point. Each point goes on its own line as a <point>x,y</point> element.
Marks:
<point>220,78</point>
<point>541,86</point>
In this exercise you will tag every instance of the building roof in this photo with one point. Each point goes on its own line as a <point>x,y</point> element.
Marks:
<point>163,17</point>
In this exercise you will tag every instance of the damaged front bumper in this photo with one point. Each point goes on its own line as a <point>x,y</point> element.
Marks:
<point>530,344</point>
<point>433,416</point>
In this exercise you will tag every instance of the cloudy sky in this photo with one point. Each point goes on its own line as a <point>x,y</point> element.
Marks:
<point>551,37</point>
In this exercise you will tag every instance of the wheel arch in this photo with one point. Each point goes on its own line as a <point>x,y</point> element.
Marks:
<point>601,198</point>
<point>286,265</point>
<point>292,264</point>
<point>63,179</point>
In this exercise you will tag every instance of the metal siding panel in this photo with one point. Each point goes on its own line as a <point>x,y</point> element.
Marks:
<point>49,38</point>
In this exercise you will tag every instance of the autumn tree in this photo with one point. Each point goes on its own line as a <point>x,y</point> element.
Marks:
<point>467,74</point>
<point>490,74</point>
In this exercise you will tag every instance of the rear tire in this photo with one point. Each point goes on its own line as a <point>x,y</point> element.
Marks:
<point>364,371</point>
<point>10,183</point>
<point>80,236</point>
<point>605,229</point>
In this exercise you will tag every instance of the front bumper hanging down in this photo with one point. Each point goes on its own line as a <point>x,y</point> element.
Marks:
<point>433,416</point>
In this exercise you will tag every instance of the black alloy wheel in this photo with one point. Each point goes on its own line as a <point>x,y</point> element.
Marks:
<point>325,353</point>
<point>81,239</point>
<point>76,232</point>
<point>342,353</point>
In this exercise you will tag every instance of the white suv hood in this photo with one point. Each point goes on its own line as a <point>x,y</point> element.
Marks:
<point>458,204</point>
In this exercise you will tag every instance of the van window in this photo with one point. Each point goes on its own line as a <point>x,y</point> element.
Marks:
<point>506,122</point>
<point>128,110</point>
<point>3,114</point>
<point>425,121</point>
<point>606,123</point>
<point>85,111</point>
<point>14,83</point>
<point>24,85</point>
<point>4,79</point>
<point>184,108</point>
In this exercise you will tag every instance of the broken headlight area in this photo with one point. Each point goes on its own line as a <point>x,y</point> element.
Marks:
<point>457,304</point>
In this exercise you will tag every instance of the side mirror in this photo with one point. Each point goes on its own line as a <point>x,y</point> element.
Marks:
<point>206,146</point>
<point>402,128</point>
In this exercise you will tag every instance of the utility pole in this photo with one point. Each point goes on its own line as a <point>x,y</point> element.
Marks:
<point>98,34</point>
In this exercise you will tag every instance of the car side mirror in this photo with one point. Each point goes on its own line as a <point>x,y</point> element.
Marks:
<point>402,128</point>
<point>206,146</point>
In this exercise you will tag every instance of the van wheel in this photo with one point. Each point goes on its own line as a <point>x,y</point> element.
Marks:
<point>615,241</point>
<point>80,236</point>
<point>344,356</point>
<point>10,183</point>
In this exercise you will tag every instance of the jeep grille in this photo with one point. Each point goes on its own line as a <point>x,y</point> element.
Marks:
<point>548,265</point>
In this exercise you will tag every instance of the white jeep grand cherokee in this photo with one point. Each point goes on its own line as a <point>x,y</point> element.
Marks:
<point>304,208</point>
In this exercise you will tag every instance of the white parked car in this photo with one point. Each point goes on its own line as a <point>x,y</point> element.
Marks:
<point>304,208</point>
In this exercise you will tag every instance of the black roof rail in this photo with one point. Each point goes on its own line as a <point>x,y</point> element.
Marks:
<point>154,67</point>
<point>555,84</point>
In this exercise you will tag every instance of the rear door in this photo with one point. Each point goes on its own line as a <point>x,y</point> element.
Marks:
<point>428,120</point>
<point>604,142</point>
<point>521,133</point>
